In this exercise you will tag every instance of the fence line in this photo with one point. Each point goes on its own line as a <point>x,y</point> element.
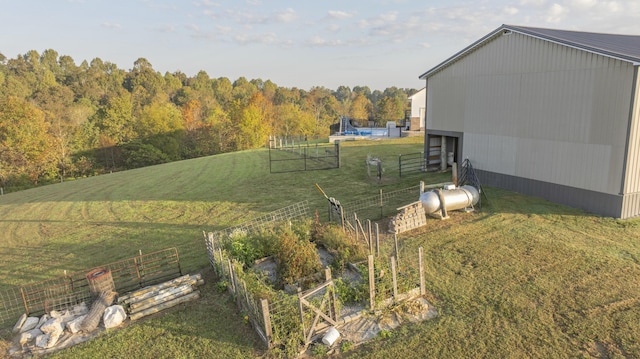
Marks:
<point>382,200</point>
<point>225,268</point>
<point>412,163</point>
<point>11,306</point>
<point>278,321</point>
<point>296,210</point>
<point>292,156</point>
<point>73,288</point>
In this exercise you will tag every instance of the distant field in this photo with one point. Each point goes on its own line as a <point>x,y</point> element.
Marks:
<point>522,278</point>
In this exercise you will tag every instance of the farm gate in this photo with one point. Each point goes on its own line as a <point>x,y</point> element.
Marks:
<point>289,155</point>
<point>411,163</point>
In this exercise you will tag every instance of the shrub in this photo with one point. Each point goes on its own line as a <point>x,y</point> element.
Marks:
<point>344,247</point>
<point>297,257</point>
<point>349,292</point>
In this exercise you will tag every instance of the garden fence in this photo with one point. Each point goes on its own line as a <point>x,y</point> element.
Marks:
<point>63,292</point>
<point>274,320</point>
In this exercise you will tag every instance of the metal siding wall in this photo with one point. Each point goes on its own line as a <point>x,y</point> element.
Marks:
<point>631,190</point>
<point>538,110</point>
<point>632,178</point>
<point>603,204</point>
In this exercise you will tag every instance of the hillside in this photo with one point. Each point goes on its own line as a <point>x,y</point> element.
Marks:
<point>521,278</point>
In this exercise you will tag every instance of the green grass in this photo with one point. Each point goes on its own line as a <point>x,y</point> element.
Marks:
<point>522,278</point>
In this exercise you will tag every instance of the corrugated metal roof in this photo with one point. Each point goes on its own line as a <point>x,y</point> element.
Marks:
<point>622,47</point>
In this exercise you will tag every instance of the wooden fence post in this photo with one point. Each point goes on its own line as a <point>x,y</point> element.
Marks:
<point>220,263</point>
<point>231,277</point>
<point>210,236</point>
<point>304,331</point>
<point>246,293</point>
<point>377,240</point>
<point>394,276</point>
<point>423,290</point>
<point>333,308</point>
<point>355,216</point>
<point>395,240</point>
<point>381,206</point>
<point>370,237</point>
<point>372,284</point>
<point>454,174</point>
<point>266,319</point>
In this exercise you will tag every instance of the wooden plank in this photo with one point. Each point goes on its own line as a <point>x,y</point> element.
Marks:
<point>166,305</point>
<point>317,311</point>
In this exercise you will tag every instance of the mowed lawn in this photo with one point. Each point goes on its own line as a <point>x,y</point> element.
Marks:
<point>521,278</point>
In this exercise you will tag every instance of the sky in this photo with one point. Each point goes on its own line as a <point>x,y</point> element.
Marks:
<point>303,44</point>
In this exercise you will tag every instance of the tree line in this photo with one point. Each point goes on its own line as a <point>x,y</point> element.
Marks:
<point>61,120</point>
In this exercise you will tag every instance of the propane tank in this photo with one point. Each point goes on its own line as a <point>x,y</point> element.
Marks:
<point>459,198</point>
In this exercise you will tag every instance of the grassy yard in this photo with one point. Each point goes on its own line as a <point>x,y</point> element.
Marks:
<point>521,278</point>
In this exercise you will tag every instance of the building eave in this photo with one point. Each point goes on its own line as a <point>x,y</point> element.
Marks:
<point>507,29</point>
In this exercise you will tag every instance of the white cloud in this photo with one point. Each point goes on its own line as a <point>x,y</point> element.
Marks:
<point>380,20</point>
<point>533,3</point>
<point>556,13</point>
<point>165,28</point>
<point>319,41</point>
<point>340,15</point>
<point>333,27</point>
<point>510,10</point>
<point>110,25</point>
<point>206,3</point>
<point>246,39</point>
<point>582,4</point>
<point>287,15</point>
<point>249,17</point>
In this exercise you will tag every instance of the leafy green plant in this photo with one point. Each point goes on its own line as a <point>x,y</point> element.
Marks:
<point>346,346</point>
<point>319,351</point>
<point>350,292</point>
<point>222,285</point>
<point>297,257</point>
<point>342,245</point>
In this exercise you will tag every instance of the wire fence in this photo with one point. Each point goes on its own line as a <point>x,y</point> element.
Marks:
<point>63,292</point>
<point>383,204</point>
<point>280,321</point>
<point>11,306</point>
<point>294,211</point>
<point>411,163</point>
<point>289,155</point>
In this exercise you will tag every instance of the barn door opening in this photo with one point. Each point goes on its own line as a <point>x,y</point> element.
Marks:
<point>443,150</point>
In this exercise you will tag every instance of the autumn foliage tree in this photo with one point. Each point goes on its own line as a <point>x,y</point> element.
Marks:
<point>25,143</point>
<point>59,119</point>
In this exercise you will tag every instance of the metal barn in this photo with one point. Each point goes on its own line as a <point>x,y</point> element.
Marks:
<point>548,113</point>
